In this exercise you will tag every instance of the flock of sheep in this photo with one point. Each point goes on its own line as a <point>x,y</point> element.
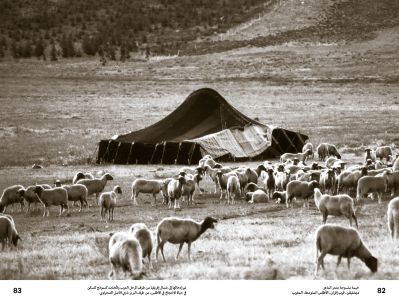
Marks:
<point>335,187</point>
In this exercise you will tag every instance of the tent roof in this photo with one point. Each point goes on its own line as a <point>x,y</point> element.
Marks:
<point>203,112</point>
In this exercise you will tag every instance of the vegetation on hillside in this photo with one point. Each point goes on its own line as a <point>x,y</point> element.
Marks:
<point>113,28</point>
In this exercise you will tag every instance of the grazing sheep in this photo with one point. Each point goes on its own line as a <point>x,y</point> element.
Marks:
<point>300,189</point>
<point>145,238</point>
<point>54,196</point>
<point>222,181</point>
<point>332,151</point>
<point>81,175</point>
<point>8,232</point>
<point>393,217</point>
<point>30,196</point>
<point>308,146</point>
<point>339,205</point>
<point>301,157</point>
<point>383,152</point>
<point>348,180</point>
<point>77,193</point>
<point>370,155</point>
<point>232,188</point>
<point>97,185</point>
<point>175,189</point>
<point>10,196</point>
<point>270,182</point>
<point>322,151</point>
<point>189,187</point>
<point>344,242</point>
<point>372,184</point>
<point>328,181</point>
<point>280,197</point>
<point>125,253</point>
<point>179,231</point>
<point>146,186</point>
<point>258,196</point>
<point>107,202</point>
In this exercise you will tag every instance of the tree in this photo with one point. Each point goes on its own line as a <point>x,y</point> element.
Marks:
<point>67,46</point>
<point>40,48</point>
<point>53,52</point>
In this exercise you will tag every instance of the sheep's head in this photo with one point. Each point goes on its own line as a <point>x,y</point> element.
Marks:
<point>21,192</point>
<point>372,263</point>
<point>280,168</point>
<point>313,184</point>
<point>248,196</point>
<point>296,161</point>
<point>79,176</point>
<point>270,171</point>
<point>219,173</point>
<point>261,168</point>
<point>200,170</point>
<point>364,171</point>
<point>250,187</point>
<point>182,173</point>
<point>38,190</point>
<point>217,166</point>
<point>182,180</point>
<point>15,240</point>
<point>117,189</point>
<point>314,166</point>
<point>57,183</point>
<point>308,152</point>
<point>209,223</point>
<point>108,176</point>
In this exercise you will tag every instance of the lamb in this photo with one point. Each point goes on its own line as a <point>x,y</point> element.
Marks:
<point>222,181</point>
<point>282,179</point>
<point>383,152</point>
<point>328,181</point>
<point>243,178</point>
<point>97,185</point>
<point>8,232</point>
<point>258,196</point>
<point>349,179</point>
<point>302,156</point>
<point>300,189</point>
<point>189,187</point>
<point>339,205</point>
<point>175,189</point>
<point>370,154</point>
<point>179,231</point>
<point>280,197</point>
<point>80,175</point>
<point>212,174</point>
<point>308,146</point>
<point>125,253</point>
<point>372,184</point>
<point>30,196</point>
<point>145,238</point>
<point>10,196</point>
<point>252,187</point>
<point>54,196</point>
<point>233,187</point>
<point>393,217</point>
<point>270,182</point>
<point>344,242</point>
<point>146,186</point>
<point>107,202</point>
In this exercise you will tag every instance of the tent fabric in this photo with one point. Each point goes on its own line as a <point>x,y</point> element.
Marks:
<point>205,123</point>
<point>240,143</point>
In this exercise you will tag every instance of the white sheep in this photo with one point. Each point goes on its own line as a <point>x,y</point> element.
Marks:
<point>282,179</point>
<point>301,157</point>
<point>252,187</point>
<point>189,187</point>
<point>393,217</point>
<point>370,155</point>
<point>300,189</point>
<point>383,152</point>
<point>348,180</point>
<point>322,151</point>
<point>97,185</point>
<point>211,172</point>
<point>145,238</point>
<point>8,232</point>
<point>339,205</point>
<point>146,186</point>
<point>10,196</point>
<point>308,146</point>
<point>30,196</point>
<point>232,188</point>
<point>125,253</point>
<point>328,181</point>
<point>179,231</point>
<point>257,196</point>
<point>372,184</point>
<point>77,193</point>
<point>280,197</point>
<point>343,242</point>
<point>54,196</point>
<point>107,202</point>
<point>222,181</point>
<point>175,189</point>
<point>81,175</point>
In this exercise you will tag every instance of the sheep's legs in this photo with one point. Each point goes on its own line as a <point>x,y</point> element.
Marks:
<point>349,263</point>
<point>134,197</point>
<point>160,247</point>
<point>379,197</point>
<point>339,260</point>
<point>189,250</point>
<point>155,200</point>
<point>320,262</point>
<point>325,218</point>
<point>178,252</point>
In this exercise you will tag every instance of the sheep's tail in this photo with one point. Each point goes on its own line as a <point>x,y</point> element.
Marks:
<point>135,264</point>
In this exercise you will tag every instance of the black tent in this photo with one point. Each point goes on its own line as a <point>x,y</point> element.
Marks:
<point>205,123</point>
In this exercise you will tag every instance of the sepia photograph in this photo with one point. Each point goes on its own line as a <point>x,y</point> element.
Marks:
<point>165,144</point>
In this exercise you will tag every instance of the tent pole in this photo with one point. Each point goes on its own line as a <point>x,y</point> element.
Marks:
<point>116,153</point>
<point>106,150</point>
<point>192,153</point>
<point>178,151</point>
<point>130,152</point>
<point>278,144</point>
<point>163,152</point>
<point>153,153</point>
<point>289,140</point>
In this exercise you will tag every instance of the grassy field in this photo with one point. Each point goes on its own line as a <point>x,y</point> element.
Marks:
<point>261,241</point>
<point>55,113</point>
